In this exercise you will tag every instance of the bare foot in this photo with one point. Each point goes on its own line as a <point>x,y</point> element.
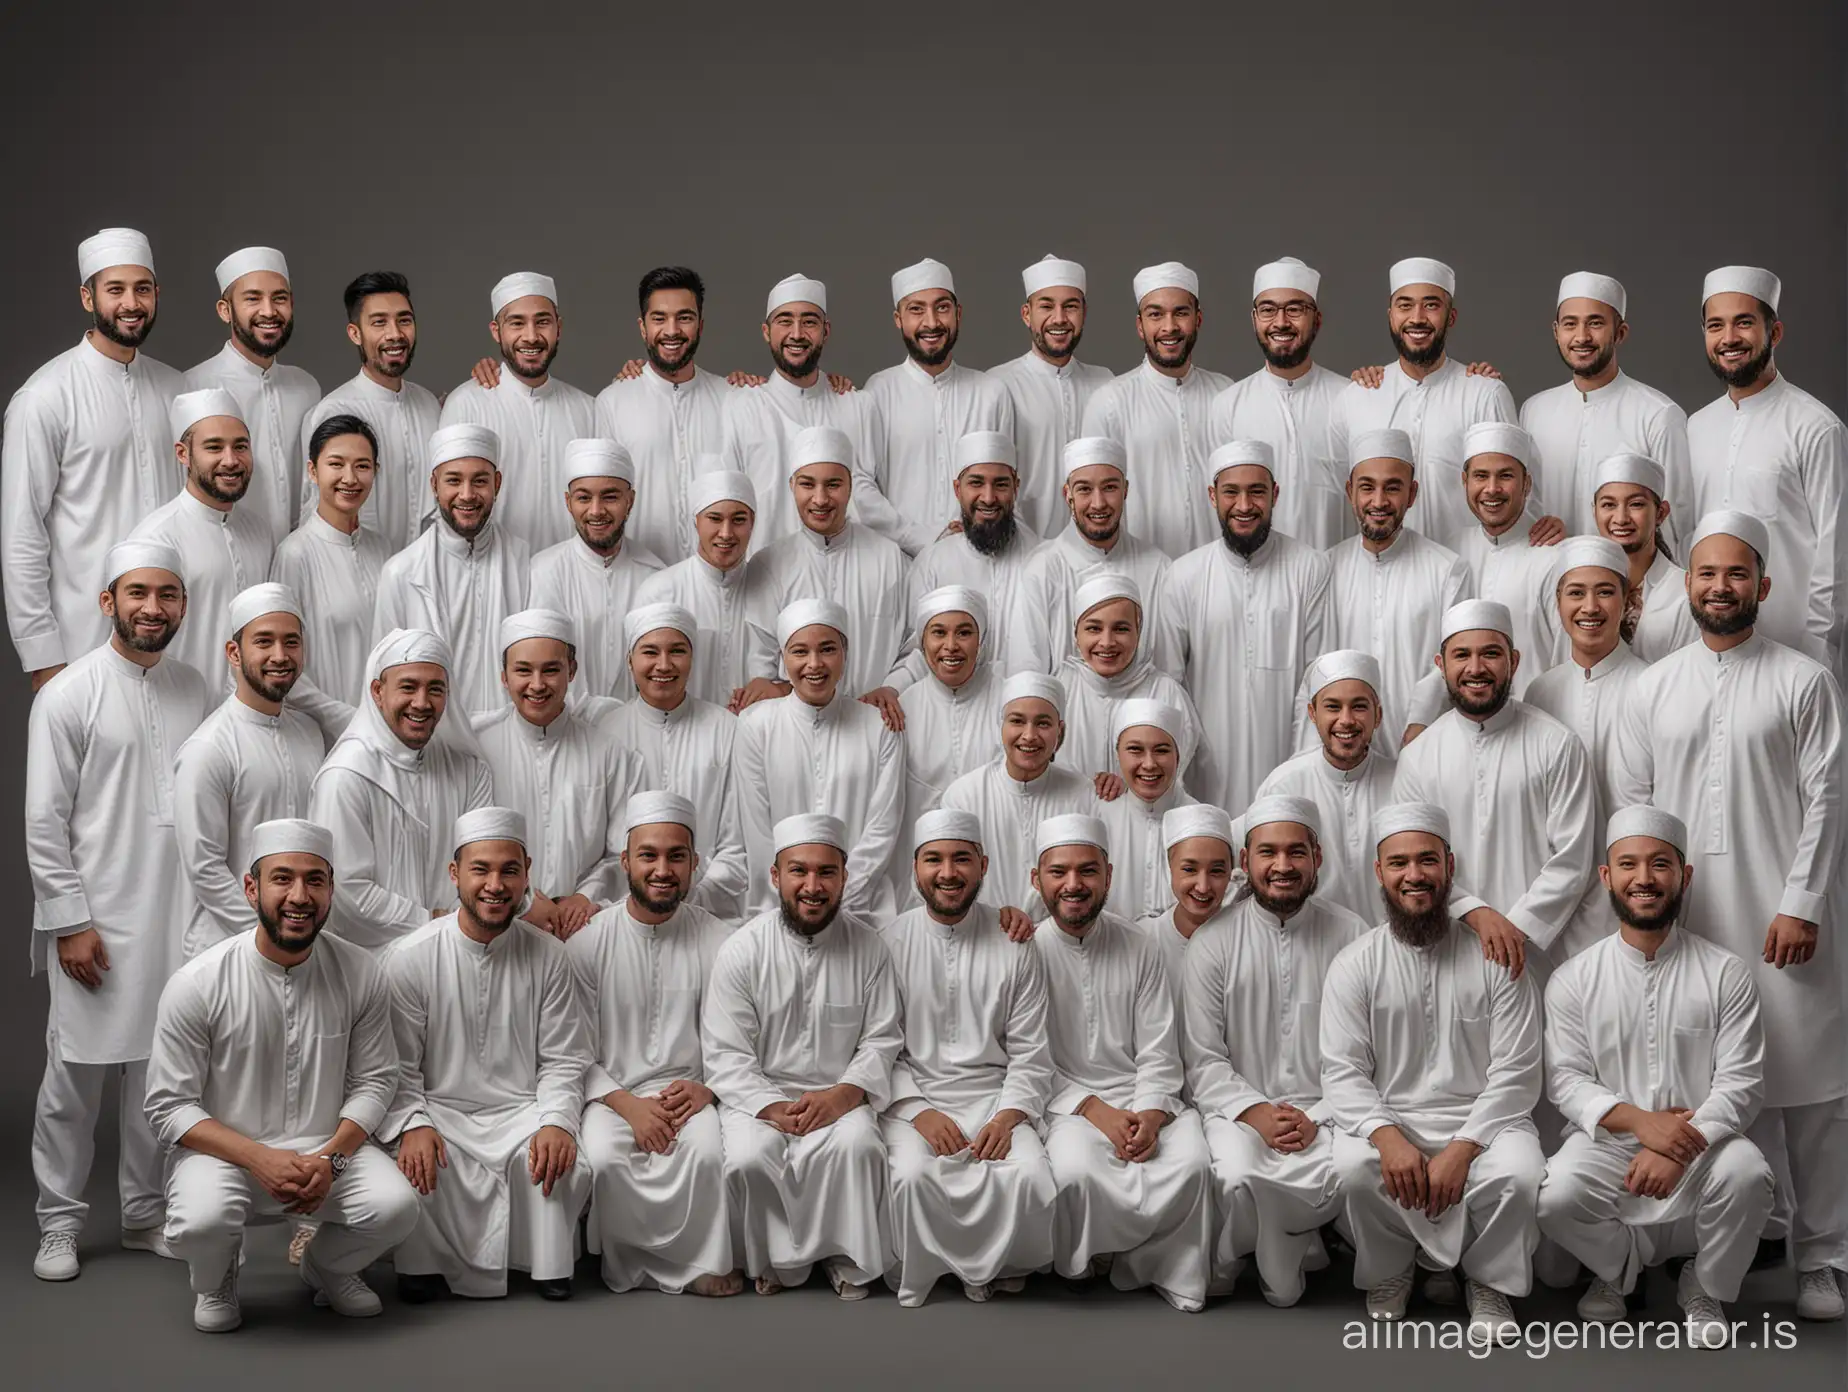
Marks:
<point>731,1283</point>
<point>767,1285</point>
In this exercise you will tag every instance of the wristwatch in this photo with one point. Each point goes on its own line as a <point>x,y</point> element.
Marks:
<point>337,1162</point>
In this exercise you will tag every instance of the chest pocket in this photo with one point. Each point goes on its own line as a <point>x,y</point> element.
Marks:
<point>1755,489</point>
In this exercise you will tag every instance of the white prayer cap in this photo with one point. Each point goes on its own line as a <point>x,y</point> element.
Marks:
<point>720,486</point>
<point>1343,664</point>
<point>796,289</point>
<point>189,408</point>
<point>984,447</point>
<point>1102,589</point>
<point>1049,271</point>
<point>270,597</point>
<point>1421,270</point>
<point>1281,808</point>
<point>1380,444</point>
<point>1234,453</point>
<point>1168,275</point>
<point>1071,829</point>
<point>952,599</point>
<point>1639,469</point>
<point>1286,273</point>
<point>536,623</point>
<point>946,824</point>
<point>241,263</point>
<point>652,809</point>
<point>1579,551</point>
<point>638,623</point>
<point>1140,710</point>
<point>594,458</point>
<point>809,829</point>
<point>1747,527</point>
<point>1589,285</point>
<point>1470,614</point>
<point>1498,437</point>
<point>1034,686</point>
<point>518,286</point>
<point>1087,450</point>
<point>140,554</point>
<point>113,246</point>
<point>290,836</point>
<point>820,444</point>
<point>1643,820</point>
<point>924,275</point>
<point>1755,281</point>
<point>1411,816</point>
<point>403,646</point>
<point>464,441</point>
<point>799,614</point>
<point>489,824</point>
<point>1195,819</point>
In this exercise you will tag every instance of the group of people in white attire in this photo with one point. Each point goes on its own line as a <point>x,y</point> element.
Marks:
<point>1151,828</point>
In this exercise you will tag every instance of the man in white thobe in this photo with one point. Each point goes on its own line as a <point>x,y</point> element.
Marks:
<point>382,326</point>
<point>799,1030</point>
<point>109,900</point>
<point>651,1127</point>
<point>1247,614</point>
<point>1048,386</point>
<point>464,574</point>
<point>1504,565</point>
<point>1655,1054</point>
<point>1741,737</point>
<point>1631,508</point>
<point>1150,738</point>
<point>491,1030</point>
<point>1430,1070</point>
<point>273,1063</point>
<point>972,1194</point>
<point>256,300</point>
<point>534,415</point>
<point>1108,662</point>
<point>399,775</point>
<point>1251,993</point>
<point>1287,404</point>
<point>1773,450</point>
<point>86,455</point>
<point>1129,1157</point>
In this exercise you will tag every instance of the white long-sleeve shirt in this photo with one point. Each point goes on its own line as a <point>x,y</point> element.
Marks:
<point>730,650</point>
<point>924,417</point>
<point>1010,813</point>
<point>335,576</point>
<point>1139,880</point>
<point>1590,701</point>
<point>760,424</point>
<point>597,592</point>
<point>1391,604</point>
<point>1049,404</point>
<point>857,569</point>
<point>224,553</point>
<point>951,560</point>
<point>1292,416</point>
<point>1110,1018</point>
<point>1162,422</point>
<point>534,424</point>
<point>403,420</point>
<point>1040,627</point>
<point>276,400</point>
<point>1666,622</point>
<point>666,427</point>
<point>1508,569</point>
<point>459,590</point>
<point>1346,800</point>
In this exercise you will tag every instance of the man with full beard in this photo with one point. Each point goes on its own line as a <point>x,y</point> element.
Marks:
<point>1287,404</point>
<point>257,301</point>
<point>1769,448</point>
<point>1657,1164</point>
<point>239,1027</point>
<point>1741,738</point>
<point>85,456</point>
<point>109,896</point>
<point>650,1130</point>
<point>1252,978</point>
<point>1430,1070</point>
<point>800,1028</point>
<point>927,403</point>
<point>1601,411</point>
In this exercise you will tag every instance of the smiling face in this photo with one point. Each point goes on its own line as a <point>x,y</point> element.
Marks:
<point>949,875</point>
<point>1726,584</point>
<point>1496,487</point>
<point>985,495</point>
<point>929,321</point>
<point>724,532</point>
<point>1055,319</point>
<point>146,607</point>
<point>465,493</point>
<point>814,659</point>
<point>1096,495</point>
<point>1168,323</point>
<point>343,474</point>
<point>490,879</point>
<point>1629,515</point>
<point>659,860</point>
<point>1199,872</point>
<point>1381,492</point>
<point>1148,758</point>
<point>822,493</point>
<point>1243,498</point>
<point>537,673</point>
<point>260,308</point>
<point>1645,879</point>
<point>1587,332</point>
<point>292,892</point>
<point>796,334</point>
<point>1591,609</point>
<point>808,881</point>
<point>1286,323</point>
<point>527,330</point>
<point>215,453</point>
<point>1345,713</point>
<point>267,652</point>
<point>1031,733</point>
<point>1740,336</point>
<point>1075,883</point>
<point>599,508</point>
<point>1282,861</point>
<point>385,333</point>
<point>661,662</point>
<point>1419,317</point>
<point>412,697</point>
<point>122,302</point>
<point>1478,666</point>
<point>951,643</point>
<point>1414,870</point>
<point>1107,636</point>
<point>671,325</point>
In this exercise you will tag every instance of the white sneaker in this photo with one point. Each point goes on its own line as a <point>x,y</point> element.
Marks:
<point>1819,1295</point>
<point>147,1240</point>
<point>1440,1288</point>
<point>57,1257</point>
<point>1707,1326</point>
<point>344,1295</point>
<point>1390,1299</point>
<point>844,1288</point>
<point>218,1312</point>
<point>1491,1317</point>
<point>1603,1303</point>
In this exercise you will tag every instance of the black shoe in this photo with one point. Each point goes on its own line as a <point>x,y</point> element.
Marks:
<point>554,1290</point>
<point>1771,1254</point>
<point>421,1290</point>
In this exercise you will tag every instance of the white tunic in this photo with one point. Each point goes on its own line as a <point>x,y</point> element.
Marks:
<point>100,841</point>
<point>1392,604</point>
<point>1347,800</point>
<point>403,420</point>
<point>791,757</point>
<point>762,423</point>
<point>924,417</point>
<point>276,400</point>
<point>1292,418</point>
<point>1745,746</point>
<point>1578,430</point>
<point>729,650</point>
<point>1011,812</point>
<point>1781,454</point>
<point>224,553</point>
<point>857,569</point>
<point>86,455</point>
<point>949,731</point>
<point>1091,704</point>
<point>1111,1018</point>
<point>1049,404</point>
<point>1040,626</point>
<point>239,768</point>
<point>1666,622</point>
<point>666,427</point>
<point>459,590</point>
<point>335,575</point>
<point>534,425</point>
<point>597,592</point>
<point>1508,570</point>
<point>1139,880</point>
<point>1162,422</point>
<point>951,560</point>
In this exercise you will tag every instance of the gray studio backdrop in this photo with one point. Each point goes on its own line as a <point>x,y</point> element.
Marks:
<point>461,141</point>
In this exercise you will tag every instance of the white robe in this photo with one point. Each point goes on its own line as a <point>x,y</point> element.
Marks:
<point>1391,604</point>
<point>975,1045</point>
<point>275,400</point>
<point>1346,800</point>
<point>1292,416</point>
<point>597,592</point>
<point>459,590</point>
<point>729,650</point>
<point>948,732</point>
<point>1010,812</point>
<point>1666,621</point>
<point>494,1046</point>
<point>659,1220</point>
<point>784,1015</point>
<point>1091,704</point>
<point>335,576</point>
<point>85,454</point>
<point>1139,880</point>
<point>1162,422</point>
<point>762,423</point>
<point>857,569</point>
<point>666,426</point>
<point>1040,626</point>
<point>791,757</point>
<point>1509,570</point>
<point>924,417</point>
<point>224,553</point>
<point>403,420</point>
<point>951,560</point>
<point>534,425</point>
<point>1049,404</point>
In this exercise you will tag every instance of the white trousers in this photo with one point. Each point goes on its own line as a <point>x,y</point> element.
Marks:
<point>658,1221</point>
<point>1490,1234</point>
<point>797,1200</point>
<point>70,1103</point>
<point>370,1209</point>
<point>1807,1148</point>
<point>1270,1204</point>
<point>1714,1214</point>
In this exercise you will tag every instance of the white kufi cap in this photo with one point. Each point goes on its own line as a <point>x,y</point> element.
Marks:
<point>1470,614</point>
<point>1499,437</point>
<point>403,646</point>
<point>594,458</point>
<point>1286,273</point>
<point>1169,275</point>
<point>720,486</point>
<point>464,441</point>
<point>1746,526</point>
<point>1049,271</point>
<point>923,275</point>
<point>945,824</point>
<point>1235,453</point>
<point>489,824</point>
<point>1411,816</point>
<point>639,622</point>
<point>984,447</point>
<point>809,829</point>
<point>820,444</point>
<point>1195,819</point>
<point>1589,285</point>
<point>1639,469</point>
<point>518,286</point>
<point>140,554</point>
<point>1646,821</point>
<point>242,263</point>
<point>113,246</point>
<point>1343,664</point>
<point>652,809</point>
<point>1755,281</point>
<point>270,597</point>
<point>1101,589</point>
<point>1070,829</point>
<point>1577,552</point>
<point>1087,450</point>
<point>799,614</point>
<point>796,289</point>
<point>189,408</point>
<point>1033,686</point>
<point>290,836</point>
<point>1140,710</point>
<point>1385,443</point>
<point>1281,808</point>
<point>536,623</point>
<point>1421,270</point>
<point>952,599</point>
